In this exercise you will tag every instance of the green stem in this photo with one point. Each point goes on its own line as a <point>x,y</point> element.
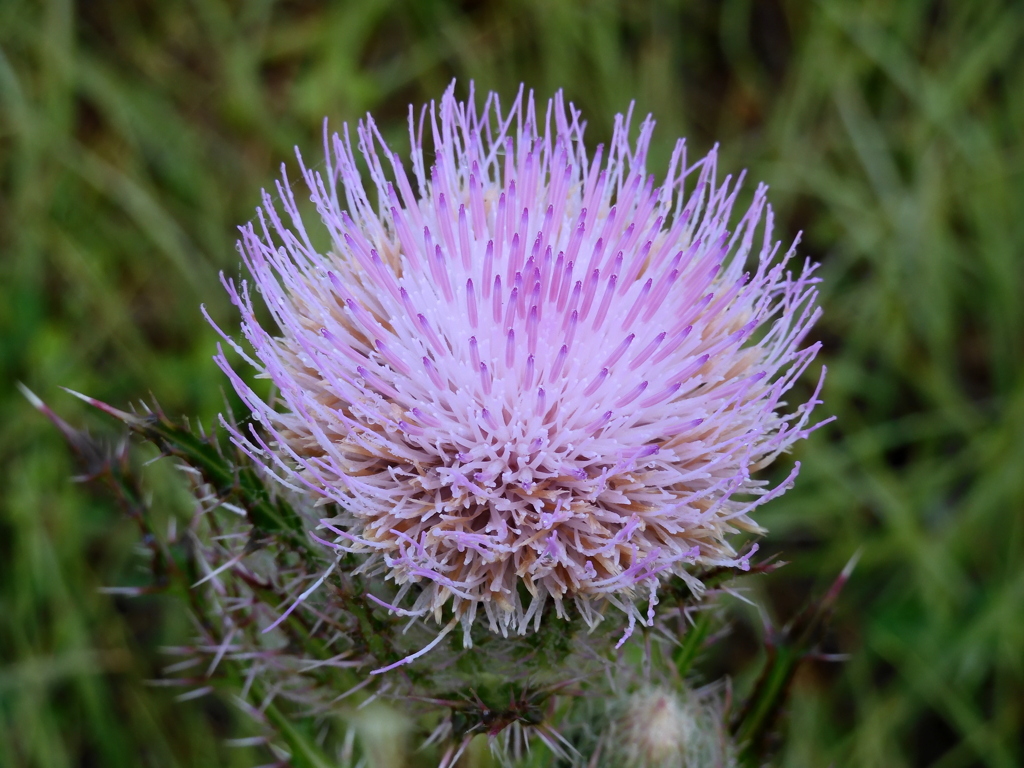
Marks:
<point>692,643</point>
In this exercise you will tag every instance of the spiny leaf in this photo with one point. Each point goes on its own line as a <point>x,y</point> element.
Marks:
<point>231,481</point>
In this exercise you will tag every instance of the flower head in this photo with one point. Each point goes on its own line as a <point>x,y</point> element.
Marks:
<point>525,372</point>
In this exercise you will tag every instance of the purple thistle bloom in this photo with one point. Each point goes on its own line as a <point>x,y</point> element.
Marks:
<point>524,365</point>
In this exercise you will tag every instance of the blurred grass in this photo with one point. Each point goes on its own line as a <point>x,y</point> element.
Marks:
<point>135,136</point>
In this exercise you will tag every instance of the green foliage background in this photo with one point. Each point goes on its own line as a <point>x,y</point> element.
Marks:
<point>134,137</point>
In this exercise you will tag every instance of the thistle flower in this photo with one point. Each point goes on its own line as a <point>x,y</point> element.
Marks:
<point>525,372</point>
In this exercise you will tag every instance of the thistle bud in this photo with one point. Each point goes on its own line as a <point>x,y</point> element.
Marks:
<point>660,727</point>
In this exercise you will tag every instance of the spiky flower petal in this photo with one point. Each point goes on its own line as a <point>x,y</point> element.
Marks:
<point>525,372</point>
